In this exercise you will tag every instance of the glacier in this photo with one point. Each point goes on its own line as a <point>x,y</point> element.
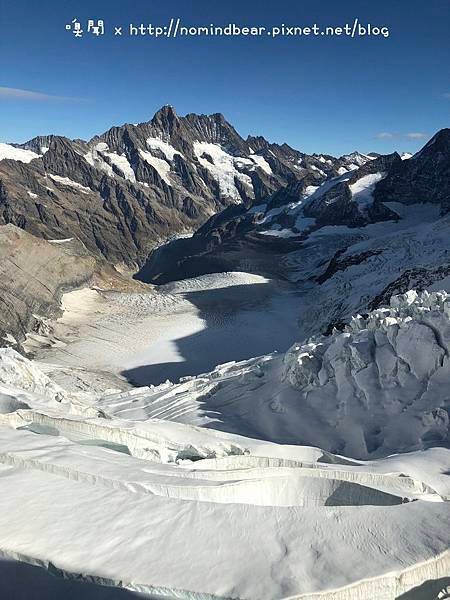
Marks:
<point>316,473</point>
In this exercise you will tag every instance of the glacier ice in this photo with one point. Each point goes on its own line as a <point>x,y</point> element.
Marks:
<point>226,479</point>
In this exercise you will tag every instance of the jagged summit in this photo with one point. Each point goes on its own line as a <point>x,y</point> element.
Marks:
<point>165,118</point>
<point>42,143</point>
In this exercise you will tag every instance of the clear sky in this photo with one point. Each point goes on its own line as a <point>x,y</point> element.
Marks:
<point>319,94</point>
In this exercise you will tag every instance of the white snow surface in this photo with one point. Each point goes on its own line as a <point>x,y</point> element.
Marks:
<point>13,153</point>
<point>114,496</point>
<point>70,183</point>
<point>161,166</point>
<point>96,158</point>
<point>363,189</point>
<point>223,167</point>
<point>319,473</point>
<point>121,162</point>
<point>282,233</point>
<point>167,149</point>
<point>262,163</point>
<point>186,328</point>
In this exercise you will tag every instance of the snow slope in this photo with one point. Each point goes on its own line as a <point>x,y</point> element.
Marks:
<point>222,167</point>
<point>156,489</point>
<point>68,182</point>
<point>168,150</point>
<point>13,153</point>
<point>161,166</point>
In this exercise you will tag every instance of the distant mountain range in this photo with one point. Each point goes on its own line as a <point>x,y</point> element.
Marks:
<point>126,191</point>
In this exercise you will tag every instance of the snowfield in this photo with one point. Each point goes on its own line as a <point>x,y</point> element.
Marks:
<point>319,473</point>
<point>12,153</point>
<point>222,167</point>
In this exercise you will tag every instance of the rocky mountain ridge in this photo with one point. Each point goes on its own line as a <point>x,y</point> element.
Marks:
<point>126,191</point>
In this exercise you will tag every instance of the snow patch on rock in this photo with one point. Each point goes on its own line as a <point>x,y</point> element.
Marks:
<point>362,190</point>
<point>70,183</point>
<point>222,167</point>
<point>11,152</point>
<point>262,163</point>
<point>161,166</point>
<point>158,144</point>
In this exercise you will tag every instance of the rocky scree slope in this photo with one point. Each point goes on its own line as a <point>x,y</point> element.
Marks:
<point>34,273</point>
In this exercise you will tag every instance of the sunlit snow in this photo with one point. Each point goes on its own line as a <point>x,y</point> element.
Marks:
<point>70,183</point>
<point>158,144</point>
<point>222,168</point>
<point>8,151</point>
<point>363,189</point>
<point>161,166</point>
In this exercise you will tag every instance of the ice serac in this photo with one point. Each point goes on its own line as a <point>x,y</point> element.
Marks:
<point>386,371</point>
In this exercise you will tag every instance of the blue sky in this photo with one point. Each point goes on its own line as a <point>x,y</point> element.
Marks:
<point>319,94</point>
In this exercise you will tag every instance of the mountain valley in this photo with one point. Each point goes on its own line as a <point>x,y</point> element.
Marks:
<point>224,366</point>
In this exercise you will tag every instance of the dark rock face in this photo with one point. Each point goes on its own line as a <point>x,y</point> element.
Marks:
<point>337,207</point>
<point>423,178</point>
<point>418,278</point>
<point>336,264</point>
<point>381,164</point>
<point>108,215</point>
<point>127,190</point>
